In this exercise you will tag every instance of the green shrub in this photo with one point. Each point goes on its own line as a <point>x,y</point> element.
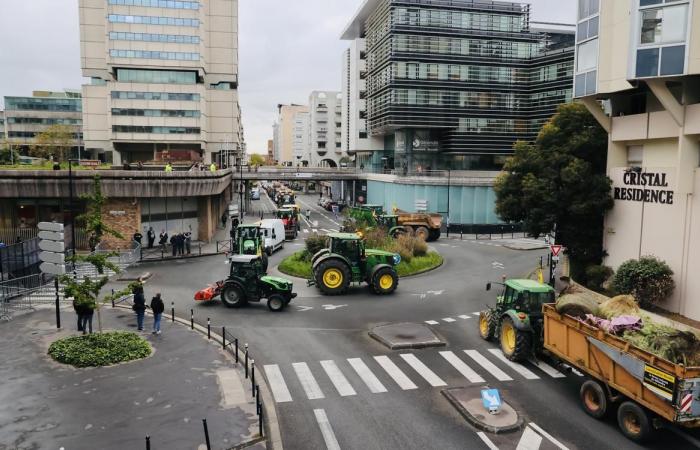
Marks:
<point>102,349</point>
<point>596,276</point>
<point>315,243</point>
<point>648,280</point>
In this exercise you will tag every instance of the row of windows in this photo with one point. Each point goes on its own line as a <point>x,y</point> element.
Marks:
<point>154,130</point>
<point>146,54</point>
<point>153,20</point>
<point>43,104</point>
<point>458,19</point>
<point>32,134</point>
<point>164,96</point>
<point>466,47</point>
<point>155,112</point>
<point>151,37</point>
<point>42,121</point>
<point>156,76</point>
<point>472,99</point>
<point>457,72</point>
<point>172,4</point>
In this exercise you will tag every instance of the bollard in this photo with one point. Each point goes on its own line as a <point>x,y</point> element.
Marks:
<point>236,342</point>
<point>200,249</point>
<point>113,298</point>
<point>223,337</point>
<point>461,233</point>
<point>260,421</point>
<point>246,361</point>
<point>192,318</point>
<point>252,376</point>
<point>172,311</point>
<point>148,443</point>
<point>257,400</point>
<point>208,328</point>
<point>206,433</point>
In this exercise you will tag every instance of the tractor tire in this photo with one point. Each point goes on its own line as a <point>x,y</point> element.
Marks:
<point>634,422</point>
<point>487,325</point>
<point>276,303</point>
<point>423,233</point>
<point>433,235</point>
<point>516,344</point>
<point>384,281</point>
<point>233,297</point>
<point>594,399</point>
<point>396,233</point>
<point>333,277</point>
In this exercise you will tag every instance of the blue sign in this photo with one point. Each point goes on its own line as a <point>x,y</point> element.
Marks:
<point>491,399</point>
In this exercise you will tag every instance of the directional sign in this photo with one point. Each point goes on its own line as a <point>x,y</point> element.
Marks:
<point>52,246</point>
<point>53,269</point>
<point>491,399</point>
<point>556,249</point>
<point>51,236</point>
<point>50,226</point>
<point>51,257</point>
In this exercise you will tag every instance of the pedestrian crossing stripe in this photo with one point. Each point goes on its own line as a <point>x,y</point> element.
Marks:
<point>423,370</point>
<point>342,385</point>
<point>375,386</point>
<point>277,384</point>
<point>448,319</point>
<point>394,372</point>
<point>431,322</point>
<point>466,371</point>
<point>308,382</point>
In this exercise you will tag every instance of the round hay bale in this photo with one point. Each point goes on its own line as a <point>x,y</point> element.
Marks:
<point>622,305</point>
<point>577,305</point>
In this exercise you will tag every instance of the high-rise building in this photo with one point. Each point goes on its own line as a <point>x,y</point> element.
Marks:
<point>164,79</point>
<point>641,61</point>
<point>325,119</point>
<point>301,144</point>
<point>276,141</point>
<point>284,142</point>
<point>270,151</point>
<point>452,85</point>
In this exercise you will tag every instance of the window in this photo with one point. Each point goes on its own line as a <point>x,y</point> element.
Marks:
<point>672,60</point>
<point>154,130</point>
<point>155,112</point>
<point>587,56</point>
<point>153,20</point>
<point>664,25</point>
<point>145,54</point>
<point>148,37</point>
<point>157,4</point>
<point>648,62</point>
<point>156,76</point>
<point>587,8</point>
<point>165,96</point>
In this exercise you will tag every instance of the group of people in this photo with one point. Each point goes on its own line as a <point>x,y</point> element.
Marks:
<point>181,242</point>
<point>157,306</point>
<point>201,167</point>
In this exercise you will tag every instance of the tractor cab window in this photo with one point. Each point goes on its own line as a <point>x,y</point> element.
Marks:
<point>248,271</point>
<point>533,301</point>
<point>510,296</point>
<point>247,233</point>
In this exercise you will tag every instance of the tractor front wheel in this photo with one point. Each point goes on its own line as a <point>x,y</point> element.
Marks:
<point>233,297</point>
<point>487,326</point>
<point>333,277</point>
<point>276,303</point>
<point>384,281</point>
<point>516,344</point>
<point>423,233</point>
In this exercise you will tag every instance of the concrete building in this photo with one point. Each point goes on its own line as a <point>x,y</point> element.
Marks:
<point>302,134</point>
<point>642,61</point>
<point>276,141</point>
<point>164,79</point>
<point>26,117</point>
<point>326,128</point>
<point>270,151</point>
<point>452,85</point>
<point>2,126</point>
<point>284,135</point>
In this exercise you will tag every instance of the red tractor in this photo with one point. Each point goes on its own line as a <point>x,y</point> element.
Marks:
<point>290,221</point>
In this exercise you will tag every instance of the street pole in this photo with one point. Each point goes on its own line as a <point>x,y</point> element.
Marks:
<point>240,192</point>
<point>449,180</point>
<point>58,305</point>
<point>70,194</point>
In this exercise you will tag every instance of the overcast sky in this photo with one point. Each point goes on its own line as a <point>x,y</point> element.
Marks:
<point>285,51</point>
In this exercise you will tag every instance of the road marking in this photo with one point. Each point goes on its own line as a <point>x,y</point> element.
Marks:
<point>306,230</point>
<point>522,370</point>
<point>546,368</point>
<point>431,322</point>
<point>308,382</point>
<point>342,385</point>
<point>375,386</point>
<point>427,374</point>
<point>394,372</point>
<point>303,308</point>
<point>548,436</point>
<point>326,430</point>
<point>462,367</point>
<point>327,231</point>
<point>486,440</point>
<point>315,231</point>
<point>529,440</point>
<point>449,319</point>
<point>464,317</point>
<point>476,313</point>
<point>277,384</point>
<point>488,365</point>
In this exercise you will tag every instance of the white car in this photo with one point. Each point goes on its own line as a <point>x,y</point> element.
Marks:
<point>273,231</point>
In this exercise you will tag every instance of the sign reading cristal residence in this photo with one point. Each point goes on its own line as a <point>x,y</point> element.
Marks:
<point>645,187</point>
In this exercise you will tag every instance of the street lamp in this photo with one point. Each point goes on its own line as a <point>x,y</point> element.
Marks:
<point>449,184</point>
<point>240,191</point>
<point>70,202</point>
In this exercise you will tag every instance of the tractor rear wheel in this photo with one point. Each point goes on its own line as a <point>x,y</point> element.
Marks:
<point>384,281</point>
<point>333,277</point>
<point>233,297</point>
<point>276,303</point>
<point>634,422</point>
<point>423,233</point>
<point>487,325</point>
<point>516,344</point>
<point>433,235</point>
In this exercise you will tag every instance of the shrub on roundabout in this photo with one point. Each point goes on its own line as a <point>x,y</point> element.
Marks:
<point>100,349</point>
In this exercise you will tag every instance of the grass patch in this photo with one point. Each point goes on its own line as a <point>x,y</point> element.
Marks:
<point>296,265</point>
<point>100,349</point>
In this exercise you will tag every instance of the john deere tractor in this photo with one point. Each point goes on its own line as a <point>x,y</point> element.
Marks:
<point>347,261</point>
<point>247,282</point>
<point>516,320</point>
<point>250,240</point>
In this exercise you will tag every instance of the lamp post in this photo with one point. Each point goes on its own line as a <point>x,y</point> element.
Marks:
<point>449,185</point>
<point>240,190</point>
<point>70,202</point>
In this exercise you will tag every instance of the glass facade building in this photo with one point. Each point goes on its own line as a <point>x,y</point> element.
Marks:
<point>454,84</point>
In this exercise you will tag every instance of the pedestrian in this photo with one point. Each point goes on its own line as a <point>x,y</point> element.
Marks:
<point>212,167</point>
<point>224,218</point>
<point>138,237</point>
<point>157,306</point>
<point>180,244</point>
<point>88,311</point>
<point>308,215</point>
<point>151,237</point>
<point>79,312</point>
<point>168,167</point>
<point>163,239</point>
<point>174,243</point>
<point>139,306</point>
<point>405,169</point>
<point>188,242</point>
<point>140,165</point>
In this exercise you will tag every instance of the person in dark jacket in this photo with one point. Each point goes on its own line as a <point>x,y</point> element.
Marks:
<point>163,241</point>
<point>157,306</point>
<point>88,311</point>
<point>139,306</point>
<point>79,311</point>
<point>138,237</point>
<point>174,243</point>
<point>151,237</point>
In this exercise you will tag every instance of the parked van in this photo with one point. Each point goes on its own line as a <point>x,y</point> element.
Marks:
<point>273,231</point>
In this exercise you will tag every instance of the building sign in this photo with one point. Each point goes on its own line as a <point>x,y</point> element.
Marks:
<point>399,142</point>
<point>117,213</point>
<point>644,187</point>
<point>420,145</point>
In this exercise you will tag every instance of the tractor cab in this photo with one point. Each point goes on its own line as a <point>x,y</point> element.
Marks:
<point>525,296</point>
<point>290,222</point>
<point>378,210</point>
<point>388,221</point>
<point>247,268</point>
<point>247,282</point>
<point>248,238</point>
<point>348,245</point>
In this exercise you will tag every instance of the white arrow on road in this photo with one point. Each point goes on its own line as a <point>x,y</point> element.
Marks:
<point>333,307</point>
<point>531,440</point>
<point>303,308</point>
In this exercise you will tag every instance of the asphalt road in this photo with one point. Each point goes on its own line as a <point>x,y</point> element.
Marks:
<point>333,392</point>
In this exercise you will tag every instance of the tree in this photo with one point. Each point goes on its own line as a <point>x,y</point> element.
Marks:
<point>559,181</point>
<point>92,219</point>
<point>648,279</point>
<point>56,140</point>
<point>8,155</point>
<point>257,160</point>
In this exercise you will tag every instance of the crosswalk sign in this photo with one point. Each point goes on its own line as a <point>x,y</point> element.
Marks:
<point>491,399</point>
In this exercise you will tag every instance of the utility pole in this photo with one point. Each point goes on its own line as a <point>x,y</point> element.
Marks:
<point>449,179</point>
<point>70,202</point>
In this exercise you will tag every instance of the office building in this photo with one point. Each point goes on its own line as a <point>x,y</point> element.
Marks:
<point>164,79</point>
<point>325,128</point>
<point>2,126</point>
<point>641,61</point>
<point>283,130</point>
<point>270,151</point>
<point>302,145</point>
<point>453,85</point>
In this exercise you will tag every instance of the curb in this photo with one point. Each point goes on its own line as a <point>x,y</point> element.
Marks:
<point>477,423</point>
<point>406,346</point>
<point>273,435</point>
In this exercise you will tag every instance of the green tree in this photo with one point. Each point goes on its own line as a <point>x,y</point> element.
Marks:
<point>8,156</point>
<point>559,181</point>
<point>92,219</point>
<point>56,140</point>
<point>648,280</point>
<point>257,160</point>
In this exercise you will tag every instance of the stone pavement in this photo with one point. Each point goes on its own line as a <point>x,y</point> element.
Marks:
<point>166,396</point>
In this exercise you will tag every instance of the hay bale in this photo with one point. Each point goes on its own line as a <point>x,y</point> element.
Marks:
<point>622,305</point>
<point>679,347</point>
<point>577,305</point>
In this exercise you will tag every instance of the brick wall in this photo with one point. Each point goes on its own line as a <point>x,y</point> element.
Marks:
<point>125,217</point>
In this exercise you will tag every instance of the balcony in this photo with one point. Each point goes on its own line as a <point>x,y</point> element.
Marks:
<point>655,125</point>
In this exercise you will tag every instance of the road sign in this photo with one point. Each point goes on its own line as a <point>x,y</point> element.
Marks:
<point>556,249</point>
<point>53,269</point>
<point>491,399</point>
<point>52,246</point>
<point>51,257</point>
<point>51,236</point>
<point>50,226</point>
<point>421,205</point>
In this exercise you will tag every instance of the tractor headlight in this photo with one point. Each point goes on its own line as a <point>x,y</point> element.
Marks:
<point>397,259</point>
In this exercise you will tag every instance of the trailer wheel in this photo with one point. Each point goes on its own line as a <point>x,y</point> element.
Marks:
<point>423,233</point>
<point>593,399</point>
<point>634,422</point>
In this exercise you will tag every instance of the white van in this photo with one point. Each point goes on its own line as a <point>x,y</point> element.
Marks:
<point>273,230</point>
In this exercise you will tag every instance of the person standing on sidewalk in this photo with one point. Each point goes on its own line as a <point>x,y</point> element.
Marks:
<point>139,306</point>
<point>188,242</point>
<point>88,311</point>
<point>79,311</point>
<point>151,237</point>
<point>157,306</point>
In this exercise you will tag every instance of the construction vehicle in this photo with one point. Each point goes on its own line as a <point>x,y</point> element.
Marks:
<point>250,240</point>
<point>289,219</point>
<point>648,392</point>
<point>424,225</point>
<point>373,216</point>
<point>346,260</point>
<point>247,282</point>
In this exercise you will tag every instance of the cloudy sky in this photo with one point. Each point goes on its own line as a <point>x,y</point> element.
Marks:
<point>285,51</point>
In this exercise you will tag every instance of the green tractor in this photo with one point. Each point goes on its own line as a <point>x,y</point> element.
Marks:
<point>347,261</point>
<point>247,282</point>
<point>250,240</point>
<point>517,320</point>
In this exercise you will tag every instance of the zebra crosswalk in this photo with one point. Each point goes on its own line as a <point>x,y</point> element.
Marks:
<point>406,372</point>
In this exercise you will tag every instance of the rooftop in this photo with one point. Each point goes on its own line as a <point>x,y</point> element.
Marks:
<point>530,285</point>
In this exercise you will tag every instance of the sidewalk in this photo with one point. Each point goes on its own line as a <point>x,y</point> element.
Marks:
<point>165,396</point>
<point>197,248</point>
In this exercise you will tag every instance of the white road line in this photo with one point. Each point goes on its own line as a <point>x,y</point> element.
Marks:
<point>462,367</point>
<point>277,384</point>
<point>548,436</point>
<point>431,322</point>
<point>326,430</point>
<point>529,440</point>
<point>394,372</point>
<point>476,313</point>
<point>522,370</point>
<point>546,368</point>
<point>449,319</point>
<point>327,231</point>
<point>308,382</point>
<point>573,370</point>
<point>488,365</point>
<point>464,317</point>
<point>486,440</point>
<point>375,386</point>
<point>427,374</point>
<point>342,385</point>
